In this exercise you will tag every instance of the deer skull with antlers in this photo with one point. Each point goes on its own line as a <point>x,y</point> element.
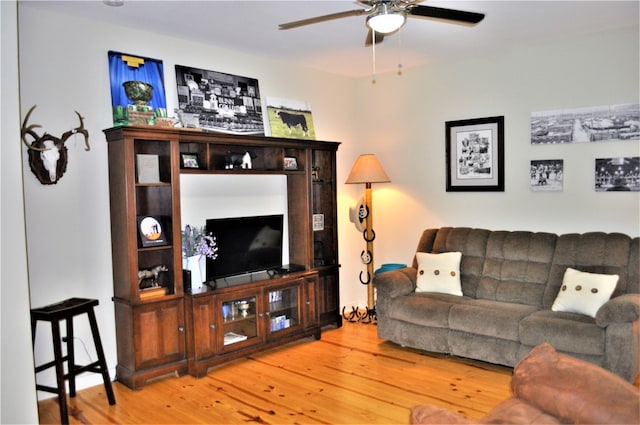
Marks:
<point>47,153</point>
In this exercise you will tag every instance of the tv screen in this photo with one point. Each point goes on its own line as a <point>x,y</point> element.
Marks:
<point>245,244</point>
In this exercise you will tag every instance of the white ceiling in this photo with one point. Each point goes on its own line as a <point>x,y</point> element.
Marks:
<point>338,46</point>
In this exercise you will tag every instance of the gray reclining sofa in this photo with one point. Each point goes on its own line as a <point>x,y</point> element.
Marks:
<point>509,281</point>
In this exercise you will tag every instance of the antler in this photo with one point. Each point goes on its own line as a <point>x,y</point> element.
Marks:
<point>29,130</point>
<point>80,129</point>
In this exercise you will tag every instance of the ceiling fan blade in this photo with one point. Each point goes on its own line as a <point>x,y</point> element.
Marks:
<point>447,14</point>
<point>369,40</point>
<point>302,22</point>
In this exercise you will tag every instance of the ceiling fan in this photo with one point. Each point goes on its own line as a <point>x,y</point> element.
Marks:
<point>387,16</point>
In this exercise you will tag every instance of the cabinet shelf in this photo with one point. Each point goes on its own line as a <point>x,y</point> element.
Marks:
<point>156,184</point>
<point>155,248</point>
<point>239,318</point>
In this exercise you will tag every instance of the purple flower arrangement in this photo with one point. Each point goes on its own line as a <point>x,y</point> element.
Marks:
<point>195,241</point>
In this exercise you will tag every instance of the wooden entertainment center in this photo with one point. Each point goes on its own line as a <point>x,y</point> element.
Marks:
<point>184,331</point>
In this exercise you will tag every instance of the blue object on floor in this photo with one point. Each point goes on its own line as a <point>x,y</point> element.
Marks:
<point>389,266</point>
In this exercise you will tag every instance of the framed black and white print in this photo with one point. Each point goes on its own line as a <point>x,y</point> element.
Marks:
<point>475,155</point>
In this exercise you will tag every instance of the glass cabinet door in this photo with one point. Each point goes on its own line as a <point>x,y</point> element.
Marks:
<point>283,311</point>
<point>239,321</point>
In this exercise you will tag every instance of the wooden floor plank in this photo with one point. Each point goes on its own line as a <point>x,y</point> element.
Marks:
<point>348,376</point>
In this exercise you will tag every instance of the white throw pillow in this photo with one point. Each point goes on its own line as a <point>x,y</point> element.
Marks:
<point>439,272</point>
<point>583,292</point>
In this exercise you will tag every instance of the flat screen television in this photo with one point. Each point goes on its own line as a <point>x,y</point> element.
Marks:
<point>245,245</point>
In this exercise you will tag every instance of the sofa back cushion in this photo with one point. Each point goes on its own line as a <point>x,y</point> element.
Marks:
<point>472,243</point>
<point>595,252</point>
<point>516,267</point>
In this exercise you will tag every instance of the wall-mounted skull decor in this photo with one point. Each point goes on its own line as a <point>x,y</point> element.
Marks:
<point>47,153</point>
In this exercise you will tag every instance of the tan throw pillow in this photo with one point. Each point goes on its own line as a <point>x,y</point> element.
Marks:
<point>583,292</point>
<point>439,272</point>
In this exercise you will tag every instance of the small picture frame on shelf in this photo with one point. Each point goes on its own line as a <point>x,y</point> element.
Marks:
<point>290,163</point>
<point>148,168</point>
<point>151,231</point>
<point>189,160</point>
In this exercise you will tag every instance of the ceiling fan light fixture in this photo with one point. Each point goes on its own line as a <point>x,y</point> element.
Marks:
<point>386,21</point>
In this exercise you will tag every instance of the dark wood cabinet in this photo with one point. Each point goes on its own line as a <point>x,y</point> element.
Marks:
<point>150,339</point>
<point>160,327</point>
<point>233,322</point>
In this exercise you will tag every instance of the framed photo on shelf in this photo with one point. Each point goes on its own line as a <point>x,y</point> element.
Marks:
<point>290,163</point>
<point>475,155</point>
<point>151,231</point>
<point>189,160</point>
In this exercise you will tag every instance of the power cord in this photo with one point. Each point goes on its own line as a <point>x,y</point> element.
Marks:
<point>65,339</point>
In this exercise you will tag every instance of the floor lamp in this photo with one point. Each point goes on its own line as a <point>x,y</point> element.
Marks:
<point>367,170</point>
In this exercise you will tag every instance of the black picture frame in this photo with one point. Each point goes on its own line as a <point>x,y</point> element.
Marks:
<point>189,160</point>
<point>151,231</point>
<point>290,163</point>
<point>475,155</point>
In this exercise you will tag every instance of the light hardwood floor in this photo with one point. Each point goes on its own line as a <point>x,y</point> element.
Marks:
<point>349,376</point>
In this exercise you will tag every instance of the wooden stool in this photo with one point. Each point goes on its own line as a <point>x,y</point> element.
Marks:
<point>66,310</point>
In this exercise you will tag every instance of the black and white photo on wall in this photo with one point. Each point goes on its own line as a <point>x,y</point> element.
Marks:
<point>587,124</point>
<point>547,175</point>
<point>475,154</point>
<point>217,101</point>
<point>617,174</point>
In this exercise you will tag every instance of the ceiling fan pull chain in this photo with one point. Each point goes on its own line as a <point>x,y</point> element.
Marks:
<point>373,49</point>
<point>400,52</point>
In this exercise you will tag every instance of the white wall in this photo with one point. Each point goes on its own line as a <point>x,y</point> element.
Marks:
<point>64,68</point>
<point>17,386</point>
<point>401,119</point>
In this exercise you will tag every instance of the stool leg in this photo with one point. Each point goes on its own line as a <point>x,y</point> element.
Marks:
<point>103,362</point>
<point>34,322</point>
<point>71,357</point>
<point>57,353</point>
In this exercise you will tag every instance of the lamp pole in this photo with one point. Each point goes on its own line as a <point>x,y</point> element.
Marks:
<point>369,236</point>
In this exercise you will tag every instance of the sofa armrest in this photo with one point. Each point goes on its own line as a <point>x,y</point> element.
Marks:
<point>621,309</point>
<point>396,283</point>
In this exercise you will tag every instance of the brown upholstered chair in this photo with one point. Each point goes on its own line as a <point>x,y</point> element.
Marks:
<point>553,388</point>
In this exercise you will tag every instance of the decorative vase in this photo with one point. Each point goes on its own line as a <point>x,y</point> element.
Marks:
<point>196,264</point>
<point>139,92</point>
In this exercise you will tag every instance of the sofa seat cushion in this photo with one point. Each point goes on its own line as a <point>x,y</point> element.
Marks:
<point>425,309</point>
<point>489,318</point>
<point>568,332</point>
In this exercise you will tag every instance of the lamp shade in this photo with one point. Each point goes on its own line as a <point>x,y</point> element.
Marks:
<point>367,169</point>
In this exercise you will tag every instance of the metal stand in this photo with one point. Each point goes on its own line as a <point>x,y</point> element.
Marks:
<point>369,314</point>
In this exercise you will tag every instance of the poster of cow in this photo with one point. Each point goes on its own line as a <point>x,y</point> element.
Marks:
<point>290,118</point>
<point>220,102</point>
